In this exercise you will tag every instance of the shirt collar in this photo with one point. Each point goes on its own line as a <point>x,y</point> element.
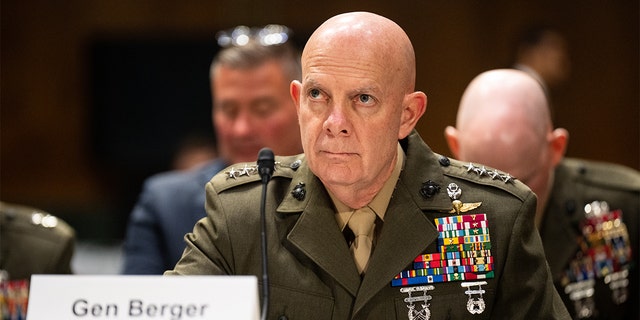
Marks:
<point>380,202</point>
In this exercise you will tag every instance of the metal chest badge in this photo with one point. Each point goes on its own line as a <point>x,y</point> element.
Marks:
<point>423,312</point>
<point>605,253</point>
<point>464,253</point>
<point>475,305</point>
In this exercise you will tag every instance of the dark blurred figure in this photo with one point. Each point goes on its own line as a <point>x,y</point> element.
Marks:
<point>252,109</point>
<point>588,212</point>
<point>543,52</point>
<point>194,151</point>
<point>31,242</point>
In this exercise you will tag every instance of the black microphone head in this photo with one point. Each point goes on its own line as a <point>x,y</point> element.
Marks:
<point>266,163</point>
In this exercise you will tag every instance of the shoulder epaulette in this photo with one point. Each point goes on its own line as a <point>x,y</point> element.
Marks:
<point>243,173</point>
<point>42,223</point>
<point>485,175</point>
<point>605,174</point>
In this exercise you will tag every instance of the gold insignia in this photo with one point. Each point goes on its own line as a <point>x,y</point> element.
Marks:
<point>459,207</point>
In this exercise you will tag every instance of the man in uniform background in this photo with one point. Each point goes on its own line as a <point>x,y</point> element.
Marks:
<point>504,122</point>
<point>369,223</point>
<point>31,242</point>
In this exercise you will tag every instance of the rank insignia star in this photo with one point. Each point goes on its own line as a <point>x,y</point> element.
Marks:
<point>248,170</point>
<point>245,170</point>
<point>481,171</point>
<point>233,173</point>
<point>494,174</point>
<point>470,167</point>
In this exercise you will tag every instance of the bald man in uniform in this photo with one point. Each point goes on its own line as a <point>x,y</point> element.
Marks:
<point>369,223</point>
<point>503,121</point>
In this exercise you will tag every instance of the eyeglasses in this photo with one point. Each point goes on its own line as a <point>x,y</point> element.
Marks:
<point>269,35</point>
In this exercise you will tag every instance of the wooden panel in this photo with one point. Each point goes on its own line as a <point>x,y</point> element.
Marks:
<point>46,158</point>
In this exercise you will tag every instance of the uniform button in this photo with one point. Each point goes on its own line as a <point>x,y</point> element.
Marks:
<point>570,206</point>
<point>582,170</point>
<point>444,161</point>
<point>295,165</point>
<point>283,318</point>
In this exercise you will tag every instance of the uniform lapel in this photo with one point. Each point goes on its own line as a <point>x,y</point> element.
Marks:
<point>559,231</point>
<point>406,233</point>
<point>560,224</point>
<point>316,233</point>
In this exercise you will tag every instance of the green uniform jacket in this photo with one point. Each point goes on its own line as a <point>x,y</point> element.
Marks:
<point>30,245</point>
<point>311,271</point>
<point>578,182</point>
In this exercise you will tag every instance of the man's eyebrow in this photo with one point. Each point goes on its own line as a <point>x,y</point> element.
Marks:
<point>309,83</point>
<point>366,89</point>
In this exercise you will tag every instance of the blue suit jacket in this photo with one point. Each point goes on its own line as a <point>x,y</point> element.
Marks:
<point>169,206</point>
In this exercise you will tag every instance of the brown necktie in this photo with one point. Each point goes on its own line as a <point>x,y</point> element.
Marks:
<point>362,223</point>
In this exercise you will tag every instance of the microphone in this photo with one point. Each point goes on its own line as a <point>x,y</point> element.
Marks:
<point>266,165</point>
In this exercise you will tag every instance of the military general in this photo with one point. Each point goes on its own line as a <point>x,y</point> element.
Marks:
<point>369,223</point>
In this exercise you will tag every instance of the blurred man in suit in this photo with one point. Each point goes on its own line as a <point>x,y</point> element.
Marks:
<point>251,109</point>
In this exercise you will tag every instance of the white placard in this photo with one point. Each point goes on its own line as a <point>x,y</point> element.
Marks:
<point>76,297</point>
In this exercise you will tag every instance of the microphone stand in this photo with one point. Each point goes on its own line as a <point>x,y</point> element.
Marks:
<point>266,165</point>
<point>265,272</point>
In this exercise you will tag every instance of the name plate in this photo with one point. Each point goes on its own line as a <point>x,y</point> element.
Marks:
<point>69,297</point>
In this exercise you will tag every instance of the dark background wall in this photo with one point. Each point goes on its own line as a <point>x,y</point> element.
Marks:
<point>95,94</point>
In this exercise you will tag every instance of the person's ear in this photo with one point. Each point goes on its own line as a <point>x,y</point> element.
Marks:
<point>414,105</point>
<point>558,145</point>
<point>294,89</point>
<point>451,136</point>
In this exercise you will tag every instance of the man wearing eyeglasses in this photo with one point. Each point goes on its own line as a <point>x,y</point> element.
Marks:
<point>252,109</point>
